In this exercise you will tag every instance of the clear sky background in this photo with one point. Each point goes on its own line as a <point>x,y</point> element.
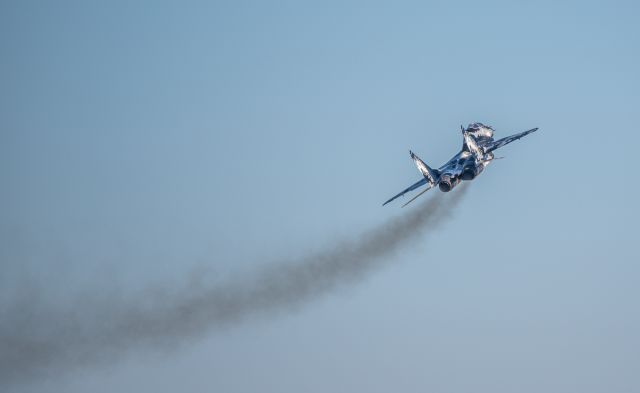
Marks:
<point>141,142</point>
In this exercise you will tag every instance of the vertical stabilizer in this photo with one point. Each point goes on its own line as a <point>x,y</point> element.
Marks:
<point>472,145</point>
<point>464,140</point>
<point>429,174</point>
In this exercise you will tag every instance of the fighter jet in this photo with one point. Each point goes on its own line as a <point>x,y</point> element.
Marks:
<point>477,152</point>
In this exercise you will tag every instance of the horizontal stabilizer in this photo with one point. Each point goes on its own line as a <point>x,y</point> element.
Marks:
<point>412,187</point>
<point>416,197</point>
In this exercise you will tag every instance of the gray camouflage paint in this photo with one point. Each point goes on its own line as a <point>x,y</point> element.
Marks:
<point>476,153</point>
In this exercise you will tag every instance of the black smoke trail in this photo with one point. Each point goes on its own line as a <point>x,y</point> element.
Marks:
<point>34,340</point>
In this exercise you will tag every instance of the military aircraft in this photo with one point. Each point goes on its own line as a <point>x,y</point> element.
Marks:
<point>477,152</point>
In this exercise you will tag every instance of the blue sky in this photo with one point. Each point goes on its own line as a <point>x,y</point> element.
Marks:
<point>142,140</point>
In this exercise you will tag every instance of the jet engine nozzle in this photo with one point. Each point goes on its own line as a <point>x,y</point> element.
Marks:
<point>471,171</point>
<point>447,183</point>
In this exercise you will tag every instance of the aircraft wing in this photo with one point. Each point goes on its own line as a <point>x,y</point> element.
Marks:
<point>412,187</point>
<point>491,146</point>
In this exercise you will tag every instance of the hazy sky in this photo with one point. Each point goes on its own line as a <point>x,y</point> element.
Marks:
<point>149,144</point>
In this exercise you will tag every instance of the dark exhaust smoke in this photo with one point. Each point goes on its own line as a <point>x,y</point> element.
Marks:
<point>35,340</point>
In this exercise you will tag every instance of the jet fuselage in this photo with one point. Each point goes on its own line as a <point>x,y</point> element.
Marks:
<point>476,153</point>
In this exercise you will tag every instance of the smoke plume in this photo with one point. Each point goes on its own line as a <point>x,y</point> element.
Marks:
<point>35,340</point>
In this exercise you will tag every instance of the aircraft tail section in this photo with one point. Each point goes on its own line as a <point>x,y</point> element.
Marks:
<point>470,144</point>
<point>464,140</point>
<point>430,174</point>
